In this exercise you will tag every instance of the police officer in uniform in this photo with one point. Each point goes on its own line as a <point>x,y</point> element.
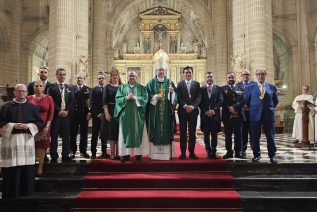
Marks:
<point>232,115</point>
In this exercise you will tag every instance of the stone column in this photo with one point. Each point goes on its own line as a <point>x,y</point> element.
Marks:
<point>221,42</point>
<point>98,41</point>
<point>252,34</point>
<point>68,35</point>
<point>303,47</point>
<point>15,70</point>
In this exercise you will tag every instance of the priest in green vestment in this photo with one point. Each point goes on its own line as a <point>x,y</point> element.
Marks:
<point>160,116</point>
<point>131,100</point>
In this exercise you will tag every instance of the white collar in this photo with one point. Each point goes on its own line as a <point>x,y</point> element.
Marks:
<point>24,101</point>
<point>160,79</point>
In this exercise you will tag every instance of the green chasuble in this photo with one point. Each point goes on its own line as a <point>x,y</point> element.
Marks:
<point>131,113</point>
<point>160,117</point>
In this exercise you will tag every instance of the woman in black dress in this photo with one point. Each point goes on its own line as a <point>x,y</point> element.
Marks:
<point>110,128</point>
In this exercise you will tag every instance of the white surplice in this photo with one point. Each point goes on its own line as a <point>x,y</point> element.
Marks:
<point>297,126</point>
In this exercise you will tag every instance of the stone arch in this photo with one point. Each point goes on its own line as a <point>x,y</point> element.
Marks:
<point>193,13</point>
<point>37,52</point>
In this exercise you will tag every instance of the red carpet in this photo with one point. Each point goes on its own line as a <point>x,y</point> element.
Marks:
<point>176,185</point>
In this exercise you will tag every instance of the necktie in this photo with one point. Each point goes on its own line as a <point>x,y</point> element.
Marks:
<point>101,89</point>
<point>188,88</point>
<point>261,89</point>
<point>209,90</point>
<point>79,88</point>
<point>231,86</point>
<point>61,87</point>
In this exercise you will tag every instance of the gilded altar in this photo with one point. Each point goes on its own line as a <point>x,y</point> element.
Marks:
<point>160,31</point>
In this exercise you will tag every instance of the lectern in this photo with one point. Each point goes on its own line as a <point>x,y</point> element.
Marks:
<point>305,121</point>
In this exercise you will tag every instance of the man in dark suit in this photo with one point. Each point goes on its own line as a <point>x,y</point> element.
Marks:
<point>232,116</point>
<point>246,130</point>
<point>189,97</point>
<point>211,101</point>
<point>43,75</point>
<point>79,117</point>
<point>63,103</point>
<point>96,111</point>
<point>261,98</point>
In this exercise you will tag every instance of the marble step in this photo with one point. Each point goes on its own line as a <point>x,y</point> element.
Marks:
<point>273,201</point>
<point>273,182</point>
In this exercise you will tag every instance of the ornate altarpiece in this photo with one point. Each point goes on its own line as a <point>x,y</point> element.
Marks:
<point>160,29</point>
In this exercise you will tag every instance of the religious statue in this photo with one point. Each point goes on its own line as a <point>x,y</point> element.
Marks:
<point>137,48</point>
<point>124,47</point>
<point>182,48</point>
<point>203,52</point>
<point>147,45</point>
<point>196,46</point>
<point>173,44</point>
<point>239,63</point>
<point>83,65</point>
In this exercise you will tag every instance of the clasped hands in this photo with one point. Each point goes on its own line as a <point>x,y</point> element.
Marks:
<point>20,126</point>
<point>210,113</point>
<point>232,110</point>
<point>131,97</point>
<point>188,108</point>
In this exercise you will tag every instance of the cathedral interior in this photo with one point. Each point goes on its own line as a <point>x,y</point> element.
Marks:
<point>92,36</point>
<point>220,36</point>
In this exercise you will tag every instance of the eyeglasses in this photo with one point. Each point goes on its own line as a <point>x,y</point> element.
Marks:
<point>101,78</point>
<point>20,91</point>
<point>245,74</point>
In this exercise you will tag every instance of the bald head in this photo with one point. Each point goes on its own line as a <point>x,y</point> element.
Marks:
<point>20,92</point>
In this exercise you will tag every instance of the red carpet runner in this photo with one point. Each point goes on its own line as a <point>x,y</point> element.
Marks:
<point>176,185</point>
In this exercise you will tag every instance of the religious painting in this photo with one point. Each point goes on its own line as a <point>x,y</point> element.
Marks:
<point>160,32</point>
<point>147,44</point>
<point>173,44</point>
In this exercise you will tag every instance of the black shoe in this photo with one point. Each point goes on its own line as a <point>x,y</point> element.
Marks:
<point>256,159</point>
<point>243,155</point>
<point>193,156</point>
<point>84,155</point>
<point>214,156</point>
<point>67,158</point>
<point>72,155</point>
<point>93,157</point>
<point>138,157</point>
<point>54,160</point>
<point>273,160</point>
<point>125,158</point>
<point>227,155</point>
<point>105,155</point>
<point>182,157</point>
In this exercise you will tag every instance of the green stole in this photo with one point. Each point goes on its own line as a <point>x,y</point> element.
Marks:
<point>160,117</point>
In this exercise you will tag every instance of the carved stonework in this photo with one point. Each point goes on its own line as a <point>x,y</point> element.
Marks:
<point>82,65</point>
<point>238,63</point>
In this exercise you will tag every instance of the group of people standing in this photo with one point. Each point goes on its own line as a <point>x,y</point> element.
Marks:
<point>136,120</point>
